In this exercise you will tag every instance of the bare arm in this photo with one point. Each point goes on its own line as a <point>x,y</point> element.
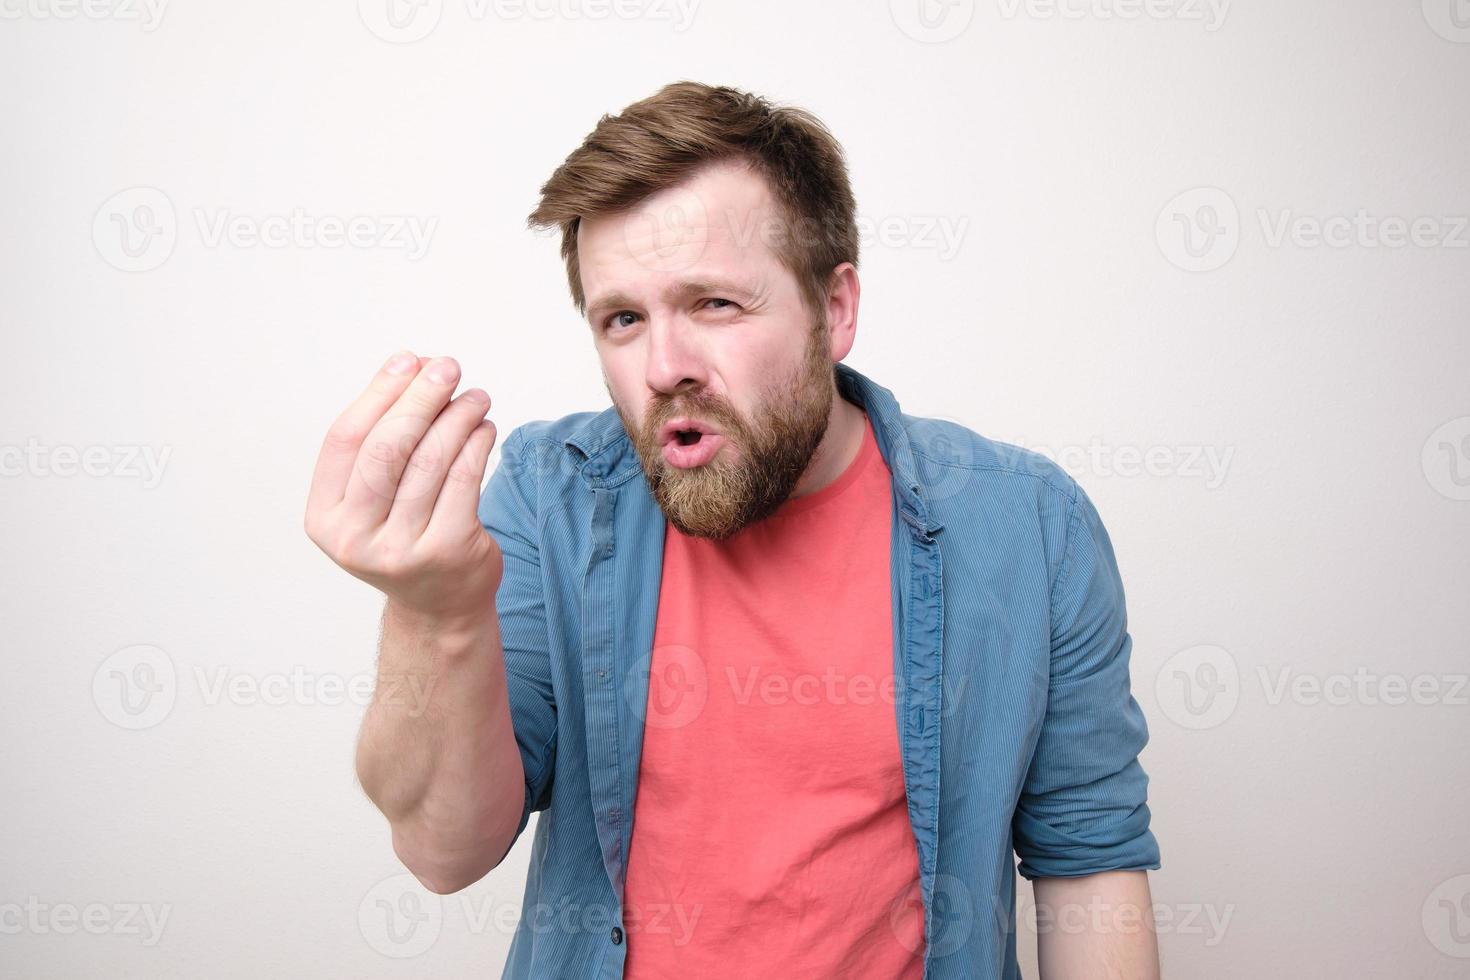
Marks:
<point>393,502</point>
<point>437,753</point>
<point>1096,927</point>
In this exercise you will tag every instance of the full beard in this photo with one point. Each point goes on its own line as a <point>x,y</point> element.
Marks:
<point>755,473</point>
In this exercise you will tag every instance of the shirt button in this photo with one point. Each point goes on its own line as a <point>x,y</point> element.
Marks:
<point>617,936</point>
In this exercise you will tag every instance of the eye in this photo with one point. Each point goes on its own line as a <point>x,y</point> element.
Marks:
<point>720,303</point>
<point>625,318</point>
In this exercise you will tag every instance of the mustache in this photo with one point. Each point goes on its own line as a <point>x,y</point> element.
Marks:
<point>711,410</point>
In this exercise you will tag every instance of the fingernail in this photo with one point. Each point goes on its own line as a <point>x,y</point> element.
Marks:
<point>401,363</point>
<point>441,372</point>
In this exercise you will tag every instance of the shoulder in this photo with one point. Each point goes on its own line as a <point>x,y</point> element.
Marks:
<point>552,432</point>
<point>948,452</point>
<point>995,496</point>
<point>548,456</point>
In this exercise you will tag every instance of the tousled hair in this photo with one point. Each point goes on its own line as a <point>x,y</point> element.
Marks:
<point>663,139</point>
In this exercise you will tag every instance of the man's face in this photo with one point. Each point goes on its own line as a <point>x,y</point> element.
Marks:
<point>696,319</point>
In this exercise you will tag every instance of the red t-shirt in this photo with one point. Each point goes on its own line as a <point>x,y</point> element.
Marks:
<point>771,835</point>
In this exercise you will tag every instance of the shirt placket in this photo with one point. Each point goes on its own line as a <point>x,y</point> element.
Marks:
<point>600,689</point>
<point>918,653</point>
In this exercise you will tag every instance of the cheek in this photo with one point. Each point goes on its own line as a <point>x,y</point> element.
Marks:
<point>625,393</point>
<point>766,380</point>
<point>619,373</point>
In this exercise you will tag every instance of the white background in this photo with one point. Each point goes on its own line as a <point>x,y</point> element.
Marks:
<point>1281,599</point>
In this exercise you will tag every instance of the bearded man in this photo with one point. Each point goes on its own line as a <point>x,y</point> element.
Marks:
<point>792,676</point>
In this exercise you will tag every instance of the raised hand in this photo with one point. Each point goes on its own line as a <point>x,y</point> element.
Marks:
<point>393,498</point>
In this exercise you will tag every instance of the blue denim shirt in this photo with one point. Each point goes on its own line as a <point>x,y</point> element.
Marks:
<point>1018,731</point>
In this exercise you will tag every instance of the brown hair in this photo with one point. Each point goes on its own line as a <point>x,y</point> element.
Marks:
<point>658,141</point>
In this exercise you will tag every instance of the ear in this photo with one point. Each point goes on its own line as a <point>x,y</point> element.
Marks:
<point>843,293</point>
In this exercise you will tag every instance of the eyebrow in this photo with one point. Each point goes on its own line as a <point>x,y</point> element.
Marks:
<point>684,290</point>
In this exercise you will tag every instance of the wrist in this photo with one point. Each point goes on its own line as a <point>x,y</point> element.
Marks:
<point>451,629</point>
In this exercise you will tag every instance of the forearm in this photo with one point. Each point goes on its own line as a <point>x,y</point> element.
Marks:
<point>1096,927</point>
<point>437,751</point>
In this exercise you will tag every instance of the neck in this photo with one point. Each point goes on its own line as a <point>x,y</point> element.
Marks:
<point>838,448</point>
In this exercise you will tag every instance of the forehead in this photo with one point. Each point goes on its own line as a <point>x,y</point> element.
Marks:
<point>721,222</point>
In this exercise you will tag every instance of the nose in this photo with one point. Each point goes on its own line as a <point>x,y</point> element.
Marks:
<point>675,360</point>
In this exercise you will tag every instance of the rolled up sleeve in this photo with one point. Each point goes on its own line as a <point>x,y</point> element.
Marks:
<point>507,510</point>
<point>1083,804</point>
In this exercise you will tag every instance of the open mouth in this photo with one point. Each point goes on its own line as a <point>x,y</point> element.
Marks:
<point>688,443</point>
<point>684,431</point>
